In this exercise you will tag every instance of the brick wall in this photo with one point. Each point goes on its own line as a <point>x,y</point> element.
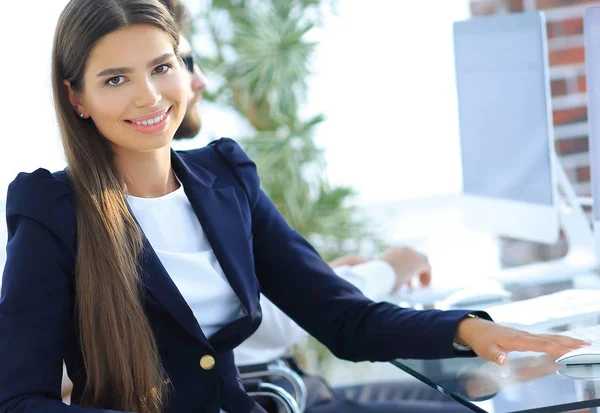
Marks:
<point>567,71</point>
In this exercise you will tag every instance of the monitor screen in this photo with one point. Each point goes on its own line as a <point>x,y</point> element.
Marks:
<point>503,95</point>
<point>592,58</point>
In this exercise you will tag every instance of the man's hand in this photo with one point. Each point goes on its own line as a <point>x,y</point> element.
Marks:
<point>493,341</point>
<point>407,264</point>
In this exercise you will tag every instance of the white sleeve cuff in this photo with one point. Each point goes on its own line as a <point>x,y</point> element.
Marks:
<point>460,347</point>
<point>375,278</point>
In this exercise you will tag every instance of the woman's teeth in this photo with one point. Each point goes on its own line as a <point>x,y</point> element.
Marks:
<point>152,121</point>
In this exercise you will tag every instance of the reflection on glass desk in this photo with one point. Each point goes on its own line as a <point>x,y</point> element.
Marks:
<point>529,382</point>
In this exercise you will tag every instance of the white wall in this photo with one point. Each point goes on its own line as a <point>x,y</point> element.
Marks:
<point>29,137</point>
<point>385,80</point>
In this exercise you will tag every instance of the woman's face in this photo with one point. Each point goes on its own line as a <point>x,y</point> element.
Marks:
<point>134,89</point>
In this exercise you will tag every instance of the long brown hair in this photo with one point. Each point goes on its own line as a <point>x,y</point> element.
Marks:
<point>123,367</point>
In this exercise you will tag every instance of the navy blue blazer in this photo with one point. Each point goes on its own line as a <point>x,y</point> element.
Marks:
<point>257,250</point>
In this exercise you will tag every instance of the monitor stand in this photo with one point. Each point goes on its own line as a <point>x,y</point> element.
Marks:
<point>581,257</point>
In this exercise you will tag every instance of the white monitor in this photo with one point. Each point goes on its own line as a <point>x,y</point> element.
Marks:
<point>591,29</point>
<point>505,119</point>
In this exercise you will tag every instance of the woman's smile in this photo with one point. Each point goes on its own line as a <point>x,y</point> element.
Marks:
<point>153,122</point>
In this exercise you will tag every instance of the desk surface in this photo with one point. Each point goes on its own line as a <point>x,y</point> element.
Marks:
<point>529,382</point>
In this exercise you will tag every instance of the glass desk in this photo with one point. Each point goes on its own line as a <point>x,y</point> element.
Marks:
<point>529,382</point>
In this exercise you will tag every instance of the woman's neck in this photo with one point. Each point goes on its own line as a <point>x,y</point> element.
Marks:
<point>147,174</point>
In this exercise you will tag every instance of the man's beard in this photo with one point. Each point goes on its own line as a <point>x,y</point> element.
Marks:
<point>190,126</point>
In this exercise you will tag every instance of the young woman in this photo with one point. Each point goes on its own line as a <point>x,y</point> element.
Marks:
<point>141,267</point>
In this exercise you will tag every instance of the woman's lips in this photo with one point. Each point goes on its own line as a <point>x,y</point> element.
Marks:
<point>154,128</point>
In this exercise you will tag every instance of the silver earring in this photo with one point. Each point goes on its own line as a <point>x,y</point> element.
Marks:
<point>81,115</point>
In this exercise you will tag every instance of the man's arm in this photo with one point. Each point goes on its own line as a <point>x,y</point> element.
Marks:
<point>379,278</point>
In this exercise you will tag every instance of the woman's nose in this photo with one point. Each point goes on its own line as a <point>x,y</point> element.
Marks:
<point>147,95</point>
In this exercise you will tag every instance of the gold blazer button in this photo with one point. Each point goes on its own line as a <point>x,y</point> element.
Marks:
<point>207,362</point>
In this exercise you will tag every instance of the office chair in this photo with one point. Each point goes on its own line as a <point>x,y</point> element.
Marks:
<point>277,373</point>
<point>283,401</point>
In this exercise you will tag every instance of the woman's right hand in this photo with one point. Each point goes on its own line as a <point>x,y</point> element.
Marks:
<point>493,341</point>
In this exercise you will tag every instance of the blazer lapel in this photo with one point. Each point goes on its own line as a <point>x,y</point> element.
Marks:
<point>162,287</point>
<point>157,279</point>
<point>219,213</point>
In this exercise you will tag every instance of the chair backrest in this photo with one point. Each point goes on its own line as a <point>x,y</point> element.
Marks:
<point>284,401</point>
<point>278,373</point>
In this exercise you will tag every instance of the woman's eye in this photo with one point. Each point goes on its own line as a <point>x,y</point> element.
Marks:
<point>162,68</point>
<point>115,81</point>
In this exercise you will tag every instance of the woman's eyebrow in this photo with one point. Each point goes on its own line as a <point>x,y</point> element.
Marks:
<point>122,70</point>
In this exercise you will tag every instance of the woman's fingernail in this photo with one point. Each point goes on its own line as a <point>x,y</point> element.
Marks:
<point>501,359</point>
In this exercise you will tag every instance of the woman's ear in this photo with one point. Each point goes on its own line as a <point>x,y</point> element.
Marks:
<point>75,99</point>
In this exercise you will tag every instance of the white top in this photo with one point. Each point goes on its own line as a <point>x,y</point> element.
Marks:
<point>277,332</point>
<point>176,235</point>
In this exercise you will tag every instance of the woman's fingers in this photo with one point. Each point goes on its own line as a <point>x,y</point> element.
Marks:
<point>566,341</point>
<point>546,343</point>
<point>495,353</point>
<point>526,342</point>
<point>493,342</point>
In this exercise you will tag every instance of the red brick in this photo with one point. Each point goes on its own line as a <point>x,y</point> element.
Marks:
<point>515,5</point>
<point>567,56</point>
<point>581,84</point>
<point>554,29</point>
<point>559,87</point>
<point>572,146</point>
<point>551,4</point>
<point>573,27</point>
<point>562,117</point>
<point>569,27</point>
<point>583,174</point>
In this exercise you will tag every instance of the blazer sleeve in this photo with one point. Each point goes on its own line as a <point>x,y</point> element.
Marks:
<point>36,302</point>
<point>297,280</point>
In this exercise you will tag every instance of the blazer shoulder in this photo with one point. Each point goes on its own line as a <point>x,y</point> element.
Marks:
<point>212,155</point>
<point>45,197</point>
<point>230,151</point>
<point>226,159</point>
